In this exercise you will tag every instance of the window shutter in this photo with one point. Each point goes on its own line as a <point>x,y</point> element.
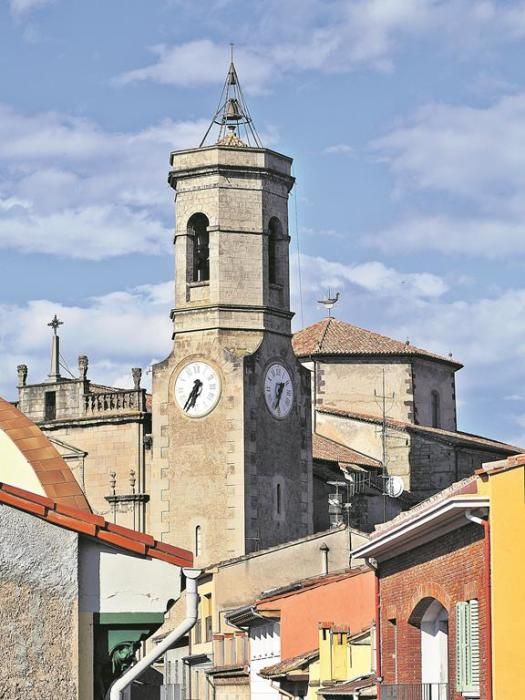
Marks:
<point>461,646</point>
<point>473,638</point>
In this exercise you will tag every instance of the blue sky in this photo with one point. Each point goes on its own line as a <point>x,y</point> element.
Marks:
<point>406,120</point>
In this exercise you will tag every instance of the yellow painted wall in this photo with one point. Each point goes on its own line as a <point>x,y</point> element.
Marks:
<point>506,491</point>
<point>15,469</point>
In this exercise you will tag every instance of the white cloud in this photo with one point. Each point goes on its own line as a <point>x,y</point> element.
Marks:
<point>201,62</point>
<point>340,36</point>
<point>339,149</point>
<point>69,188</point>
<point>22,7</point>
<point>117,331</point>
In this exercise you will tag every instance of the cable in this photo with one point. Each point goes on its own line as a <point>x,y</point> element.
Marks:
<point>299,275</point>
<point>64,365</point>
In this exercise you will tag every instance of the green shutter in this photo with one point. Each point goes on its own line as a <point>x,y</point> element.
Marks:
<point>467,646</point>
<point>461,646</point>
<point>473,646</point>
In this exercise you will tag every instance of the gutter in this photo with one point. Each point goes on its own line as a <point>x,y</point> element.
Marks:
<point>192,602</point>
<point>488,595</point>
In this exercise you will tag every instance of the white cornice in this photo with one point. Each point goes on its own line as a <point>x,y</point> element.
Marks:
<point>426,526</point>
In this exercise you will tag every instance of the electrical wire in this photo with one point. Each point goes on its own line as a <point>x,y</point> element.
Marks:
<point>298,246</point>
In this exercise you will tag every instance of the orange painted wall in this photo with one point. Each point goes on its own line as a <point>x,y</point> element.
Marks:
<point>349,601</point>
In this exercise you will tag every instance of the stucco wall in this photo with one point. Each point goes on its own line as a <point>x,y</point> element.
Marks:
<point>38,608</point>
<point>434,376</point>
<point>350,384</point>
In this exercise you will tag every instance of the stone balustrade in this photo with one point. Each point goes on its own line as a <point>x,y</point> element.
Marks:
<point>114,402</point>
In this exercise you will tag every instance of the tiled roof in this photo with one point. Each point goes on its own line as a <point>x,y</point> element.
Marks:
<point>93,526</point>
<point>503,465</point>
<point>464,487</point>
<point>55,476</point>
<point>331,451</point>
<point>333,337</point>
<point>453,436</point>
<point>287,665</point>
<point>349,687</point>
<point>308,583</point>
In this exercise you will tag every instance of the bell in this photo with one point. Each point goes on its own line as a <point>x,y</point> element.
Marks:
<point>233,112</point>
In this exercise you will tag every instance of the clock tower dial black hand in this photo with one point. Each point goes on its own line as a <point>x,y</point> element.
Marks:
<point>278,393</point>
<point>194,394</point>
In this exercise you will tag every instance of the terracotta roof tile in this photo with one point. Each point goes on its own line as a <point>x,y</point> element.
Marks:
<point>286,665</point>
<point>349,687</point>
<point>92,525</point>
<point>329,450</point>
<point>48,465</point>
<point>454,436</point>
<point>333,337</point>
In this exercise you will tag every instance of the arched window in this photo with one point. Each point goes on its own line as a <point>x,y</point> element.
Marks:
<point>198,541</point>
<point>436,418</point>
<point>198,229</point>
<point>274,233</point>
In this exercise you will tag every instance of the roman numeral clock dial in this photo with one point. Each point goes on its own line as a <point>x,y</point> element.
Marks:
<point>197,389</point>
<point>278,390</point>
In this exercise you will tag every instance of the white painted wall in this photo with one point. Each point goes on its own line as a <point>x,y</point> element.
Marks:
<point>265,650</point>
<point>111,581</point>
<point>15,469</point>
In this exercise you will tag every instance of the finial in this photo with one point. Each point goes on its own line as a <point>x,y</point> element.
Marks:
<point>136,373</point>
<point>233,118</point>
<point>55,323</point>
<point>21,371</point>
<point>83,363</point>
<point>329,302</point>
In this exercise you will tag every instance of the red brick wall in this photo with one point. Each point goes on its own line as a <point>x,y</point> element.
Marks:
<point>450,569</point>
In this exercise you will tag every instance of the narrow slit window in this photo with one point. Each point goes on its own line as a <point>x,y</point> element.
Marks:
<point>436,417</point>
<point>198,230</point>
<point>278,504</point>
<point>274,233</point>
<point>198,541</point>
<point>50,405</point>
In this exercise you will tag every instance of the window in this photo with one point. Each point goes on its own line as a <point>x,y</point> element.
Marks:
<point>467,647</point>
<point>198,543</point>
<point>436,418</point>
<point>274,233</point>
<point>50,405</point>
<point>278,497</point>
<point>198,230</point>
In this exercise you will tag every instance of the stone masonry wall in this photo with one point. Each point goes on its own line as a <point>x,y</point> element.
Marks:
<point>38,608</point>
<point>449,569</point>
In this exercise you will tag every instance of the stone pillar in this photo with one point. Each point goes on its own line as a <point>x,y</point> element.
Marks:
<point>136,373</point>
<point>21,370</point>
<point>83,364</point>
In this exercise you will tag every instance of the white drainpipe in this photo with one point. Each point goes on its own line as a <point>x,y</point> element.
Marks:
<point>192,602</point>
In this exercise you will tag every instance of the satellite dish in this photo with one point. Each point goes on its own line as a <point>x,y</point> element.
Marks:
<point>394,486</point>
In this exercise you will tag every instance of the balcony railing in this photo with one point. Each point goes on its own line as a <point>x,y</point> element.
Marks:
<point>114,402</point>
<point>415,691</point>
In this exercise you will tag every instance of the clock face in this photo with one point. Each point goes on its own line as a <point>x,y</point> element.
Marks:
<point>197,389</point>
<point>278,390</point>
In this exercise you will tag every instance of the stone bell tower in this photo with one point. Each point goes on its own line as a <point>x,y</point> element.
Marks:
<point>231,468</point>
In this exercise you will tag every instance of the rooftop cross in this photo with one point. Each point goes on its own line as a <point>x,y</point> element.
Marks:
<point>55,323</point>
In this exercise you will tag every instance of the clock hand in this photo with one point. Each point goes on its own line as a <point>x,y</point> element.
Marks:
<point>194,394</point>
<point>278,393</point>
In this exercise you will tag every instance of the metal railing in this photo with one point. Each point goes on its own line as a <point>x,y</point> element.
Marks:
<point>415,691</point>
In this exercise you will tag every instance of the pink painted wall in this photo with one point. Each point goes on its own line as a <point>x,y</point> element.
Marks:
<point>343,601</point>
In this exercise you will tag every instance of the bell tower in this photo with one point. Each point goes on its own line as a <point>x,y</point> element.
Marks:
<point>231,469</point>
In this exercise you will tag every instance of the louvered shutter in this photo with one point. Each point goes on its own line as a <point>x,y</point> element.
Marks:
<point>461,646</point>
<point>473,645</point>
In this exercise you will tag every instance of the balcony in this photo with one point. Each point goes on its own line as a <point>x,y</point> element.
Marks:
<point>416,691</point>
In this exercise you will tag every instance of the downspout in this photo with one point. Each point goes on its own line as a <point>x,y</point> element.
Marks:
<point>281,691</point>
<point>378,626</point>
<point>192,602</point>
<point>488,594</point>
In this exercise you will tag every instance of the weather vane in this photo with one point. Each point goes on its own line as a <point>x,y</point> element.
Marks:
<point>329,302</point>
<point>55,323</point>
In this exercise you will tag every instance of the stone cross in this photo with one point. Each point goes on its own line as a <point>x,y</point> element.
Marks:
<point>55,323</point>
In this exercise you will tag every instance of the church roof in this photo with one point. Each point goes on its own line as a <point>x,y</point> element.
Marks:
<point>456,437</point>
<point>94,526</point>
<point>53,473</point>
<point>328,450</point>
<point>333,337</point>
